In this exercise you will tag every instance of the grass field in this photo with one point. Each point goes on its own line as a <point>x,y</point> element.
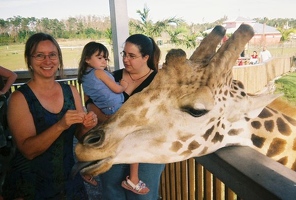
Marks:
<point>287,85</point>
<point>12,56</point>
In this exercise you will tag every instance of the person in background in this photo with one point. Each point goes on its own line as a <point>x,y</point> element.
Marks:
<point>140,57</point>
<point>264,55</point>
<point>10,77</point>
<point>7,78</point>
<point>254,58</point>
<point>43,117</point>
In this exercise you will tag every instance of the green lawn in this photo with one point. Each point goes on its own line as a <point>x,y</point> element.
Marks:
<point>287,85</point>
<point>12,56</point>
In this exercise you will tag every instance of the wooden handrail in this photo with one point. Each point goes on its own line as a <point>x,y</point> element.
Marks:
<point>250,174</point>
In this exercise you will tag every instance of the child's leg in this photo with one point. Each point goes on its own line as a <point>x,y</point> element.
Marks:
<point>134,176</point>
<point>133,182</point>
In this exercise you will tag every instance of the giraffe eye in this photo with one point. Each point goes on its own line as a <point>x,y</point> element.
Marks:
<point>194,112</point>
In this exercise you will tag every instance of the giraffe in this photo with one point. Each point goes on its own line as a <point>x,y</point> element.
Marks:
<point>192,108</point>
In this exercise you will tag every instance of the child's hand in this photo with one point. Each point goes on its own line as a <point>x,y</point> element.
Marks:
<point>123,83</point>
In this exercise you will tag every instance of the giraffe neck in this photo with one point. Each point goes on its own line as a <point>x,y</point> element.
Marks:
<point>274,135</point>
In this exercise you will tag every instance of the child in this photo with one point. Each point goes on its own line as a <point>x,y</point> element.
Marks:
<point>254,58</point>
<point>99,85</point>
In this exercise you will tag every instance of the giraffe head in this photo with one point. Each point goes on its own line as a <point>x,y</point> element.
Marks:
<point>192,108</point>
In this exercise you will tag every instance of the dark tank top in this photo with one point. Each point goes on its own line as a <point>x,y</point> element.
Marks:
<point>47,176</point>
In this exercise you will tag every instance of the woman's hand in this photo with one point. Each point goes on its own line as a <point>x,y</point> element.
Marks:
<point>71,117</point>
<point>90,120</point>
<point>101,117</point>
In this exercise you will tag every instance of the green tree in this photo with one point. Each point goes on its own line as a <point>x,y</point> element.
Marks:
<point>286,33</point>
<point>147,27</point>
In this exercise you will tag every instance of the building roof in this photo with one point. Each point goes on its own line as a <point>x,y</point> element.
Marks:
<point>258,27</point>
<point>261,29</point>
<point>241,19</point>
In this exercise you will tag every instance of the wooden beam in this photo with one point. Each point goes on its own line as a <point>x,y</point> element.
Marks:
<point>250,174</point>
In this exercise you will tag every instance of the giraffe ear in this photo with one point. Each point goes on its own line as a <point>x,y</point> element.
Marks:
<point>257,103</point>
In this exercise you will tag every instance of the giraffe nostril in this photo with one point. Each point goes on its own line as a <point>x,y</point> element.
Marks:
<point>93,139</point>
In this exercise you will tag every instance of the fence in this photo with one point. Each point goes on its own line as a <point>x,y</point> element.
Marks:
<point>256,77</point>
<point>200,178</point>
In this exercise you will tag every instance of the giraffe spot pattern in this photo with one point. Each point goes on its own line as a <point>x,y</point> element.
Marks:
<point>294,145</point>
<point>276,147</point>
<point>240,84</point>
<point>269,125</point>
<point>217,138</point>
<point>265,114</point>
<point>176,146</point>
<point>258,141</point>
<point>294,166</point>
<point>208,133</point>
<point>283,160</point>
<point>186,153</point>
<point>204,151</point>
<point>256,124</point>
<point>193,145</point>
<point>243,94</point>
<point>184,137</point>
<point>235,131</point>
<point>290,120</point>
<point>283,127</point>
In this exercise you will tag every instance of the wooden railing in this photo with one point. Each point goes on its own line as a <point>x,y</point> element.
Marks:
<point>240,169</point>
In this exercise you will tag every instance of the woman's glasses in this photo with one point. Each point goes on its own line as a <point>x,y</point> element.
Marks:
<point>41,56</point>
<point>129,57</point>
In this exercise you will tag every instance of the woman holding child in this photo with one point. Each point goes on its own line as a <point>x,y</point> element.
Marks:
<point>140,57</point>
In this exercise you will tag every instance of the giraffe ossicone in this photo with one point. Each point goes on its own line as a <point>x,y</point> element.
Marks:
<point>192,108</point>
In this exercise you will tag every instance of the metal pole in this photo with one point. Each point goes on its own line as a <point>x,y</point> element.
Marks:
<point>119,27</point>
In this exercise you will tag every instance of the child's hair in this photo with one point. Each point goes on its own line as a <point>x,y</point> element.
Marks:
<point>88,50</point>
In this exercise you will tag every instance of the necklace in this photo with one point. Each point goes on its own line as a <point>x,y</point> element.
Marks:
<point>134,80</point>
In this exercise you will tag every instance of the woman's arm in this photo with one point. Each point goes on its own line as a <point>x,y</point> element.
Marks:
<point>90,118</point>
<point>10,76</point>
<point>23,130</point>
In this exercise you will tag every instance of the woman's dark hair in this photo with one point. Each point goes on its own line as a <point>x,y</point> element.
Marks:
<point>88,50</point>
<point>32,44</point>
<point>147,46</point>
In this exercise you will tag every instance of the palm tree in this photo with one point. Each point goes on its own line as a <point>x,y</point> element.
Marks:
<point>147,27</point>
<point>286,33</point>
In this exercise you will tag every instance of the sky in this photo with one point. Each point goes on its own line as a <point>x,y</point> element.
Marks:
<point>192,11</point>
